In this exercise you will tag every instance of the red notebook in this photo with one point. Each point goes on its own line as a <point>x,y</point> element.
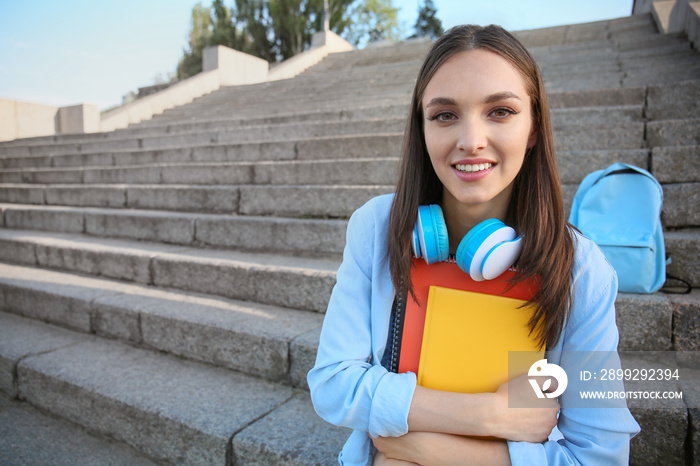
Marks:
<point>447,275</point>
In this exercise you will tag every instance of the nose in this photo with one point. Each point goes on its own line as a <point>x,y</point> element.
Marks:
<point>472,136</point>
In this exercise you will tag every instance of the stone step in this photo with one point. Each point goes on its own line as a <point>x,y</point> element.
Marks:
<point>651,46</point>
<point>362,93</point>
<point>678,132</point>
<point>267,341</point>
<point>679,58</point>
<point>597,97</point>
<point>31,436</point>
<point>681,202</point>
<point>625,61</point>
<point>283,132</point>
<point>573,166</point>
<point>589,115</point>
<point>366,90</point>
<point>264,341</point>
<point>683,247</point>
<point>599,137</point>
<point>377,145</point>
<point>281,280</point>
<point>169,409</point>
<point>640,25</point>
<point>397,94</point>
<point>280,200</point>
<point>377,119</point>
<point>569,133</point>
<point>370,87</point>
<point>663,75</point>
<point>576,164</point>
<point>578,82</point>
<point>160,197</point>
<point>231,120</point>
<point>307,237</point>
<point>624,78</point>
<point>554,61</point>
<point>676,164</point>
<point>301,237</point>
<point>650,41</point>
<point>350,172</point>
<point>52,368</point>
<point>678,48</point>
<point>49,366</point>
<point>677,101</point>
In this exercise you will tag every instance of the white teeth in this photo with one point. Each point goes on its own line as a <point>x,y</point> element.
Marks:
<point>473,168</point>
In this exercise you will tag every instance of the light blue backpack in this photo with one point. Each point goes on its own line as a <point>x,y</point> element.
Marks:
<point>620,209</point>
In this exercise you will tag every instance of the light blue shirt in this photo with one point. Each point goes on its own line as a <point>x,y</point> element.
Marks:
<point>350,388</point>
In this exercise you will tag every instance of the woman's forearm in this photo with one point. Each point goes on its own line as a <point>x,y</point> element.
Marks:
<point>450,413</point>
<point>435,449</point>
<point>484,414</point>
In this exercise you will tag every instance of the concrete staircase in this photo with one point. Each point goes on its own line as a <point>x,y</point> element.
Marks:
<point>163,286</point>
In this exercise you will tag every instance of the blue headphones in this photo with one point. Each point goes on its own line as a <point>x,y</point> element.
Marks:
<point>488,250</point>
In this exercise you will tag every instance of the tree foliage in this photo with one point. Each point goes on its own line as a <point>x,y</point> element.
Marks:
<point>427,23</point>
<point>276,30</point>
<point>372,21</point>
<point>200,33</point>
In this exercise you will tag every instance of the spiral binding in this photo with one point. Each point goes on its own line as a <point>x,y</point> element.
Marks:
<point>393,362</point>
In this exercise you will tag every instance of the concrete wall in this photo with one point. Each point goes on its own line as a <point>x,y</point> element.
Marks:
<point>26,119</point>
<point>235,68</point>
<point>673,16</point>
<point>222,66</point>
<point>83,118</point>
<point>324,43</point>
<point>181,93</point>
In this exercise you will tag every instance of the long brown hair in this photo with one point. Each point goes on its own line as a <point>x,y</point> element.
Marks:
<point>536,206</point>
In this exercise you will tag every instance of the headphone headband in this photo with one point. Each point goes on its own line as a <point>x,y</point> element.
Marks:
<point>488,250</point>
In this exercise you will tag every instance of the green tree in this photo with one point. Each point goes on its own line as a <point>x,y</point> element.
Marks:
<point>427,23</point>
<point>223,32</point>
<point>252,18</point>
<point>276,30</point>
<point>200,33</point>
<point>280,29</point>
<point>373,20</point>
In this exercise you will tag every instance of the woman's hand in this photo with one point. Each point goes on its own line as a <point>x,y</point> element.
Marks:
<point>522,424</point>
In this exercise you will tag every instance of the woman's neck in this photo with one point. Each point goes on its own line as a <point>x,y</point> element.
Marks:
<point>460,218</point>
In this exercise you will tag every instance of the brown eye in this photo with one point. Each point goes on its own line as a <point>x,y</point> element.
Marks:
<point>502,112</point>
<point>443,116</point>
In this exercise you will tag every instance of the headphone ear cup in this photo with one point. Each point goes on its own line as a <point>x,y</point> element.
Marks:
<point>430,239</point>
<point>478,245</point>
<point>501,257</point>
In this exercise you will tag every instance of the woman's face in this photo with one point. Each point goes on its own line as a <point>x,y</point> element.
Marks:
<point>478,126</point>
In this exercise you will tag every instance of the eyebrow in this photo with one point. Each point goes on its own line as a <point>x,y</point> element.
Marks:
<point>441,101</point>
<point>501,96</point>
<point>489,100</point>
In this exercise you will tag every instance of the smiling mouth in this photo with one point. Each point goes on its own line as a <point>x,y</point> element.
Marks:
<point>477,167</point>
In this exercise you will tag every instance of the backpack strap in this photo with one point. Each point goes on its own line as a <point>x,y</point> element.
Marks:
<point>688,286</point>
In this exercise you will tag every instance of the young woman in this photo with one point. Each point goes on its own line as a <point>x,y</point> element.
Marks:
<point>479,143</point>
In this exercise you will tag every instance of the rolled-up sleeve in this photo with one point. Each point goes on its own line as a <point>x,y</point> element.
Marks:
<point>590,435</point>
<point>348,385</point>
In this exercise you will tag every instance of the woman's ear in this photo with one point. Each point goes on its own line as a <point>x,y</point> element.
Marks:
<point>532,139</point>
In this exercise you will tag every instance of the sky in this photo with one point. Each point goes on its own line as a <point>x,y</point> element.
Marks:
<point>73,51</point>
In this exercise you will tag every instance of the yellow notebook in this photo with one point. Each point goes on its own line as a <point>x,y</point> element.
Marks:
<point>467,337</point>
